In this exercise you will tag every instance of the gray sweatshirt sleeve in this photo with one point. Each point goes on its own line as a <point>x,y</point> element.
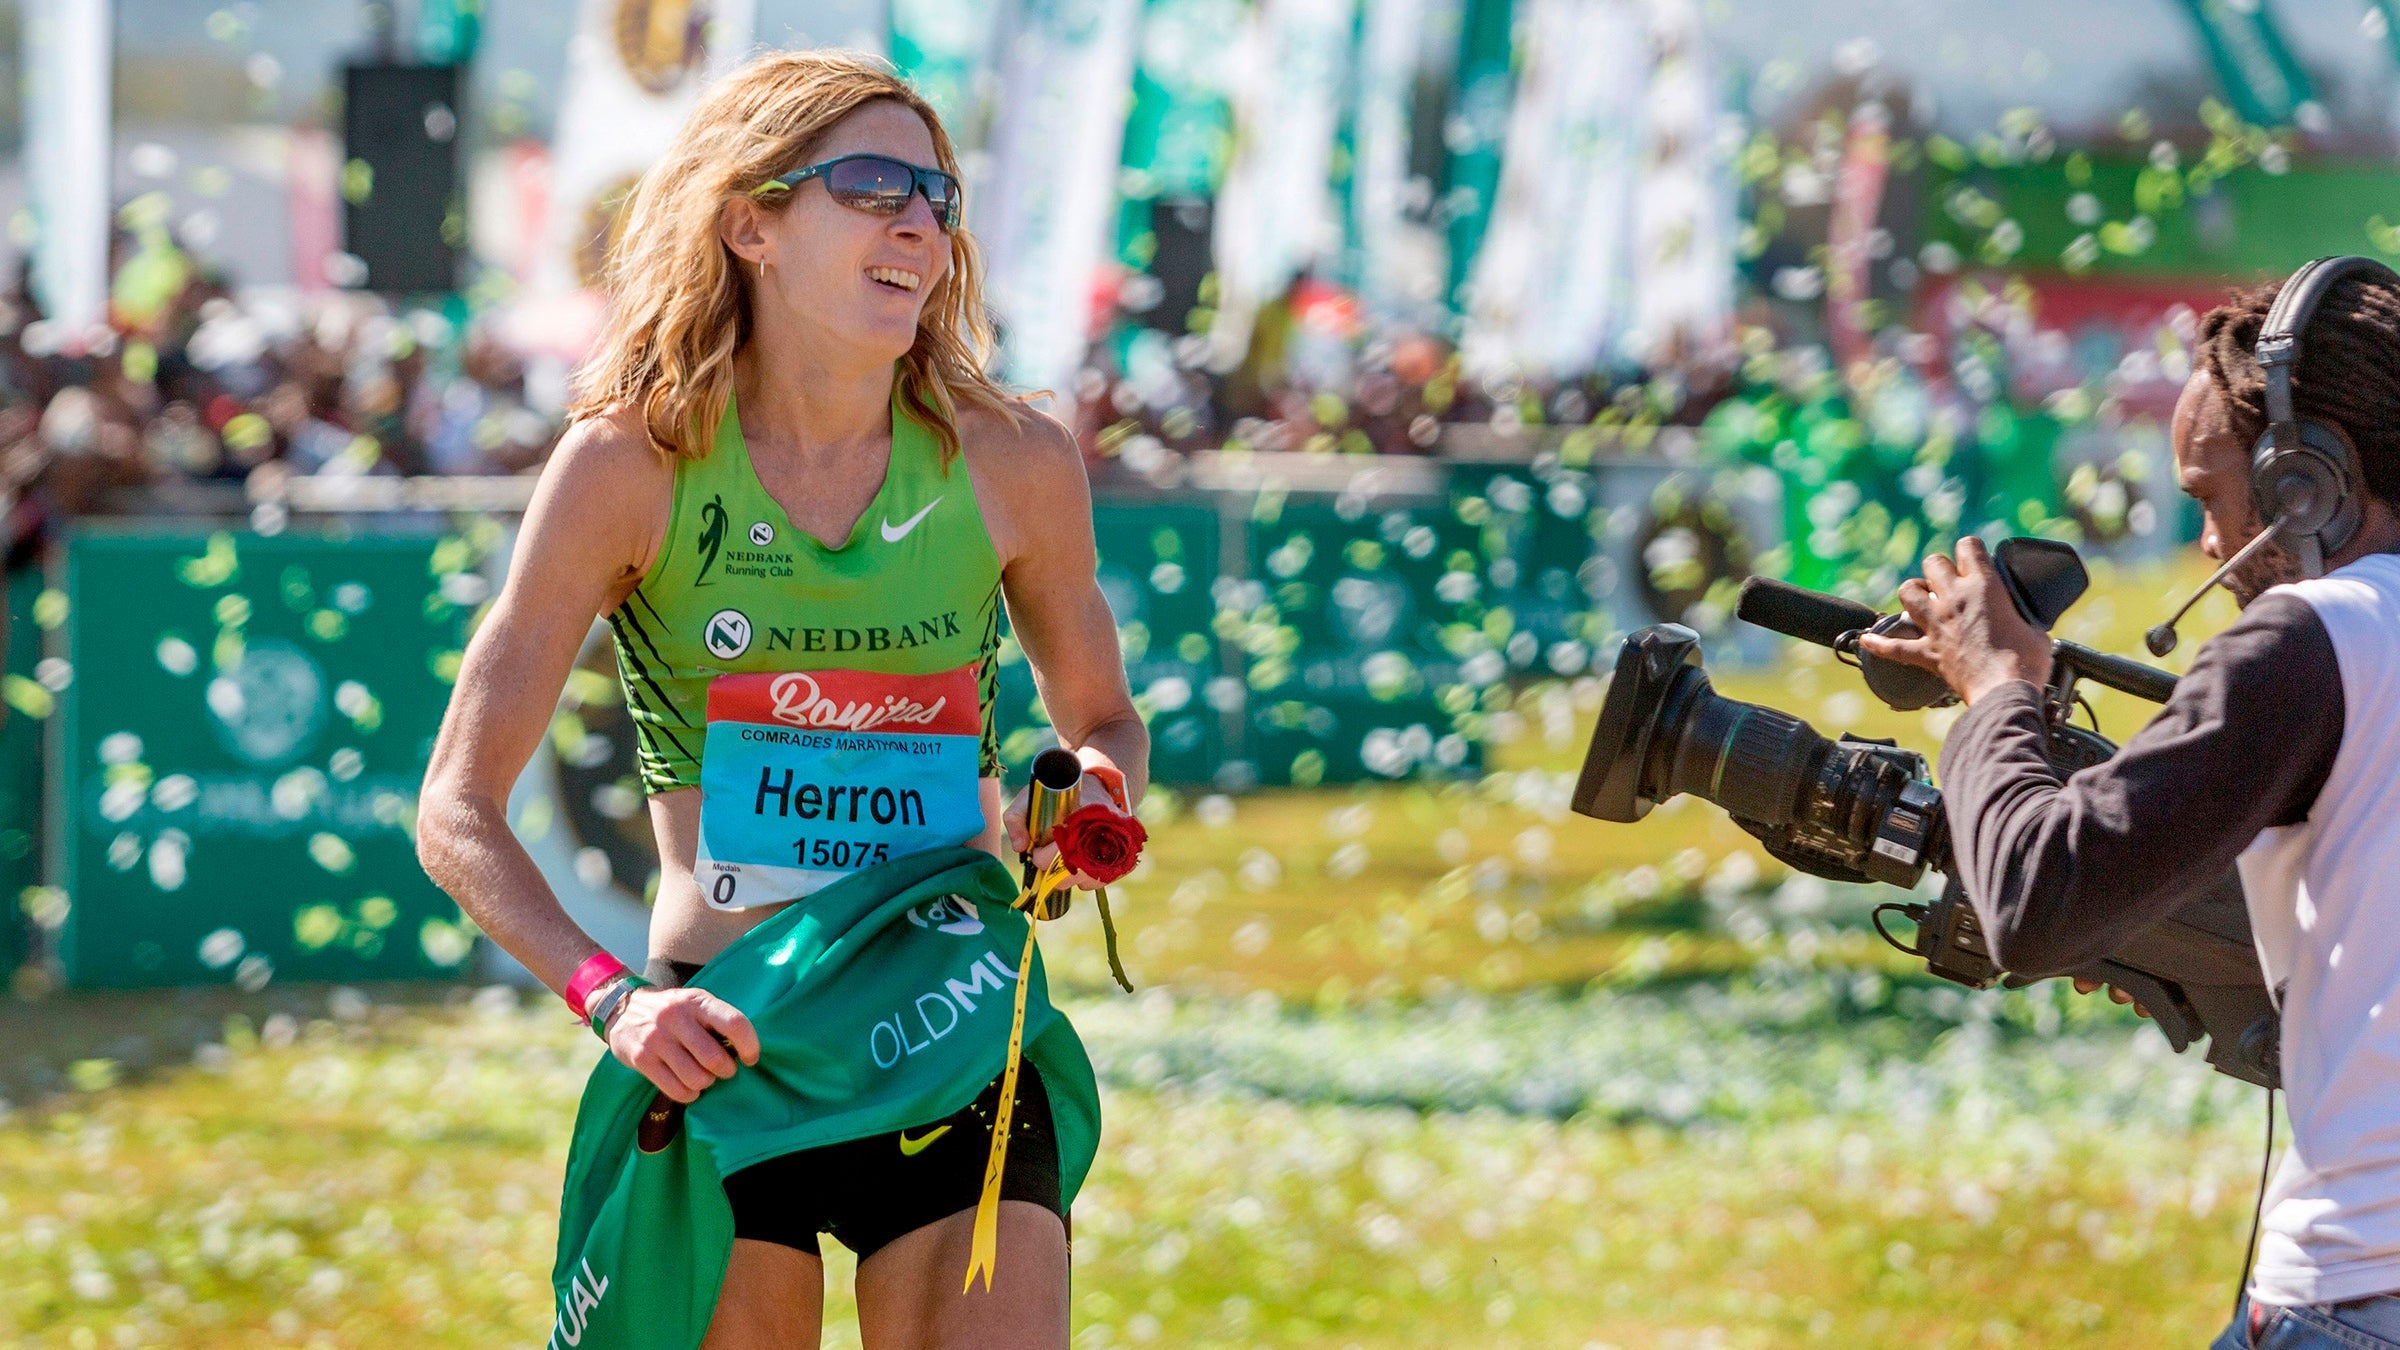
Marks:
<point>2061,872</point>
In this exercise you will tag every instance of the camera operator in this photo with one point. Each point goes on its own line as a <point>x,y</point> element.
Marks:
<point>2280,749</point>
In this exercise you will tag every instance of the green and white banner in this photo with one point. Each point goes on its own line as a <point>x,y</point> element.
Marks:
<point>1044,212</point>
<point>2388,12</point>
<point>2265,83</point>
<point>1179,135</point>
<point>1473,132</point>
<point>943,49</point>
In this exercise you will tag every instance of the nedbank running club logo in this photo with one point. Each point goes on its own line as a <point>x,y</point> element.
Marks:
<point>712,538</point>
<point>758,561</point>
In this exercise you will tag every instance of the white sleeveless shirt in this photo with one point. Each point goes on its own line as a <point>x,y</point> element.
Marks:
<point>2324,899</point>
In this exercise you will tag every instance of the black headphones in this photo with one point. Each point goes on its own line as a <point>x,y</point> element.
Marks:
<point>2304,476</point>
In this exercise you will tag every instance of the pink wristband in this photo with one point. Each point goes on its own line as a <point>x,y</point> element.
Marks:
<point>597,969</point>
<point>1113,779</point>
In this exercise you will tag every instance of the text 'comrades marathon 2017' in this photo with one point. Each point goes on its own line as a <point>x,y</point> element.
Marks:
<point>809,776</point>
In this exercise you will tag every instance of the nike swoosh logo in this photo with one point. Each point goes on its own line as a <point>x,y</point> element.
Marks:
<point>892,536</point>
<point>910,1148</point>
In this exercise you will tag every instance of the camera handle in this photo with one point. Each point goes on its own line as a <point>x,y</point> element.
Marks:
<point>2116,672</point>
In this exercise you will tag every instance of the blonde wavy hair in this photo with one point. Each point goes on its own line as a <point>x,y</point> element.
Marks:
<point>680,308</point>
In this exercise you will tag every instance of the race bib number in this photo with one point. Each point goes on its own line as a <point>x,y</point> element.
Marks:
<point>809,776</point>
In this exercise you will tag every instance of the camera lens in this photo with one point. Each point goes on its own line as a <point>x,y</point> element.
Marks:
<point>1663,730</point>
<point>1750,759</point>
<point>1850,810</point>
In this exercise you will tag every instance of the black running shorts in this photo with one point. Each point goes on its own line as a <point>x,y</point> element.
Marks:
<point>866,1192</point>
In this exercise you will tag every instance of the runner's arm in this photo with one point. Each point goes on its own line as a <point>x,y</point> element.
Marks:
<point>585,539</point>
<point>1051,581</point>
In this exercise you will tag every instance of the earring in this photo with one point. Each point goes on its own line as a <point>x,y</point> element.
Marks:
<point>762,269</point>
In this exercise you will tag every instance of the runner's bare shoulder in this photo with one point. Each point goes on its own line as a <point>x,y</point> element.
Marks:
<point>605,494</point>
<point>1027,465</point>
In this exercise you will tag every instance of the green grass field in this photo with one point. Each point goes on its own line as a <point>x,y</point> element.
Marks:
<point>390,1180</point>
<point>1411,1066</point>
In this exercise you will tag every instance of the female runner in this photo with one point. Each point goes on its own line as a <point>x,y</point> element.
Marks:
<point>787,457</point>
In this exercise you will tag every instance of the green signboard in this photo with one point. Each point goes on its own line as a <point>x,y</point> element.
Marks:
<point>1364,638</point>
<point>1158,565</point>
<point>21,770</point>
<point>1346,637</point>
<point>248,723</point>
<point>2142,220</point>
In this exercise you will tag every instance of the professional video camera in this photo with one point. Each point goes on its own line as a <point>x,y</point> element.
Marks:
<point>1861,810</point>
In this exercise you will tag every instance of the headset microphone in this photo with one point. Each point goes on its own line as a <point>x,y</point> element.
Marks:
<point>2304,473</point>
<point>2161,640</point>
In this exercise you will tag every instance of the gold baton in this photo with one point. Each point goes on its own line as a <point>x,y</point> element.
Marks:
<point>1052,797</point>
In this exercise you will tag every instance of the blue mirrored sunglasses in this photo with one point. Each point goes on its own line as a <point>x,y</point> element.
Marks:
<point>876,183</point>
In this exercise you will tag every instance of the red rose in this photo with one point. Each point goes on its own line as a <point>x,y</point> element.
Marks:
<point>1099,843</point>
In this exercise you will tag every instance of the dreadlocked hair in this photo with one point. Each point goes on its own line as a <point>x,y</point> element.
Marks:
<point>2348,373</point>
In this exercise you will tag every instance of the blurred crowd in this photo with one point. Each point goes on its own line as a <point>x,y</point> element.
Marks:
<point>192,382</point>
<point>1315,374</point>
<point>196,382</point>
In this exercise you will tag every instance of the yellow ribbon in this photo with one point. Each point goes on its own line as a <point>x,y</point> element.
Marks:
<point>984,1256</point>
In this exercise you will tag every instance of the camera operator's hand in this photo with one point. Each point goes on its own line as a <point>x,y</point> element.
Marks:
<point>1972,635</point>
<point>2115,995</point>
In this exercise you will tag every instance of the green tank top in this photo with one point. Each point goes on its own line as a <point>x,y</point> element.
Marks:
<point>736,589</point>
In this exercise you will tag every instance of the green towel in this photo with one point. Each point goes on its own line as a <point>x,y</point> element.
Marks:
<point>882,1003</point>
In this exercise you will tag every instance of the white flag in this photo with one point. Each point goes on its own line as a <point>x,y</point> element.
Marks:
<point>1046,209</point>
<point>1400,261</point>
<point>1685,226</point>
<point>66,161</point>
<point>1551,292</point>
<point>1277,214</point>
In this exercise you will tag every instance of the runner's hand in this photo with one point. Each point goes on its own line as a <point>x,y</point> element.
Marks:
<point>2115,995</point>
<point>679,1039</point>
<point>1091,792</point>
